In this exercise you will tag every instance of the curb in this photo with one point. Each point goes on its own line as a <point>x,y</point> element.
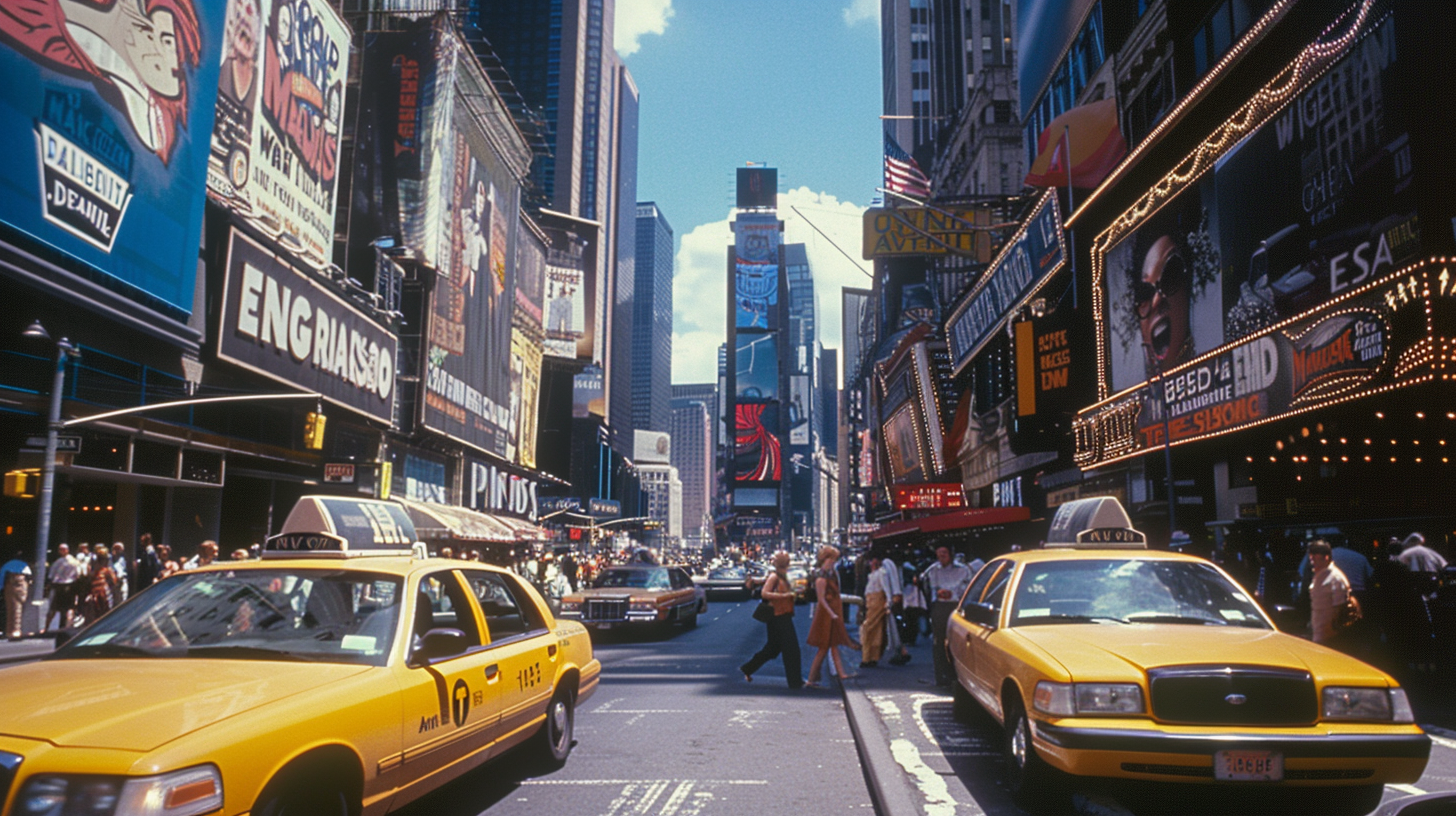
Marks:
<point>889,789</point>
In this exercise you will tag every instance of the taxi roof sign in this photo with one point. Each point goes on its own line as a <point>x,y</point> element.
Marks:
<point>343,527</point>
<point>1099,522</point>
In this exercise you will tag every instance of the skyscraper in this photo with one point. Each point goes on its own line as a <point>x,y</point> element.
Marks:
<point>693,456</point>
<point>651,347</point>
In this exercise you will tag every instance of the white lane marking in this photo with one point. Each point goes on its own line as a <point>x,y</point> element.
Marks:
<point>675,801</point>
<point>583,782</point>
<point>747,717</point>
<point>938,801</point>
<point>1403,788</point>
<point>919,701</point>
<point>1440,736</point>
<point>889,710</point>
<point>642,711</point>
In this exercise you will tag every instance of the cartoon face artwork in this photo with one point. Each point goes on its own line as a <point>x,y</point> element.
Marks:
<point>134,52</point>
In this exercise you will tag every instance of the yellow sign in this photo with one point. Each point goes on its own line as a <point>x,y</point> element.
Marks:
<point>928,231</point>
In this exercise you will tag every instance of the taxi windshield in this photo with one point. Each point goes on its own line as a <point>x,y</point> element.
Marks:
<point>1131,591</point>
<point>332,616</point>
<point>634,579</point>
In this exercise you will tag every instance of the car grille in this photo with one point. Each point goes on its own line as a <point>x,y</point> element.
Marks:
<point>1233,695</point>
<point>9,764</point>
<point>609,610</point>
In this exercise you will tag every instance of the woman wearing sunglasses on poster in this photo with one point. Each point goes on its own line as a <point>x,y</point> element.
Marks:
<point>1162,296</point>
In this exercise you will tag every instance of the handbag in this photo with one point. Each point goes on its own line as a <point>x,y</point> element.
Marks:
<point>764,612</point>
<point>1349,613</point>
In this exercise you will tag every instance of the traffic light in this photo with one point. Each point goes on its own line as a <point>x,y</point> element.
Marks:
<point>22,484</point>
<point>313,430</point>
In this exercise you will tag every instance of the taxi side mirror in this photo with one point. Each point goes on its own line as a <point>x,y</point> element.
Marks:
<point>981,613</point>
<point>438,643</point>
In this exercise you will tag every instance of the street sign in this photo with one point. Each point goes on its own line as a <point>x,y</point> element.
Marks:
<point>65,443</point>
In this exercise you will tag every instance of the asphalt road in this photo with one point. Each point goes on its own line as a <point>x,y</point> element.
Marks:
<point>674,730</point>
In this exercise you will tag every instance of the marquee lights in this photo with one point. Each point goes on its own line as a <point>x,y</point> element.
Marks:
<point>1284,88</point>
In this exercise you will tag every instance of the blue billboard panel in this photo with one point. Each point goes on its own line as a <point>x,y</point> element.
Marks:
<point>106,112</point>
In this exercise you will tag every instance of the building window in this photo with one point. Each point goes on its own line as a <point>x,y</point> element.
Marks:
<point>1229,20</point>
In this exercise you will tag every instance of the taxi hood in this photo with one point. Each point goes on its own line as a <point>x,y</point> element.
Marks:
<point>1112,651</point>
<point>139,705</point>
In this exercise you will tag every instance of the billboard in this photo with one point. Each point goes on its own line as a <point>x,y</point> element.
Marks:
<point>756,273</point>
<point>278,321</point>
<point>1368,340</point>
<point>799,396</point>
<point>902,446</point>
<point>106,135</point>
<point>757,187</point>
<point>964,232</point>
<point>757,454</point>
<point>651,446</point>
<point>1315,201</point>
<point>588,393</point>
<point>280,110</point>
<point>757,369</point>
<point>565,305</point>
<point>1026,262</point>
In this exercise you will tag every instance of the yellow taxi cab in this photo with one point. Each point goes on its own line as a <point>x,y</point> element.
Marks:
<point>637,594</point>
<point>343,674</point>
<point>1102,658</point>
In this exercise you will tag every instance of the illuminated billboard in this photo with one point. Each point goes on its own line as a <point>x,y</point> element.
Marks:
<point>280,111</point>
<point>107,137</point>
<point>1314,199</point>
<point>756,273</point>
<point>757,453</point>
<point>757,366</point>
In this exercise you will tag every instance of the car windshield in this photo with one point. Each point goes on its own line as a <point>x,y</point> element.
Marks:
<point>634,579</point>
<point>339,616</point>
<point>731,573</point>
<point>1131,590</point>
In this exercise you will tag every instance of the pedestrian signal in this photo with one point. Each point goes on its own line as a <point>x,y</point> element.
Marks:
<point>313,430</point>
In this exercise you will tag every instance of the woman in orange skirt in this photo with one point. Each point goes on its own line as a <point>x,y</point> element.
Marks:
<point>826,630</point>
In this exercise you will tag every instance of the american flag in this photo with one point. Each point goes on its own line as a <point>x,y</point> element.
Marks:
<point>902,174</point>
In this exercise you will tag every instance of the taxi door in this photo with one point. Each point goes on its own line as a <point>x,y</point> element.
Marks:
<point>521,654</point>
<point>973,624</point>
<point>449,724</point>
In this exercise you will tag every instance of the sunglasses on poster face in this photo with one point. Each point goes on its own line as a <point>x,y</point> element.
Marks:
<point>1173,281</point>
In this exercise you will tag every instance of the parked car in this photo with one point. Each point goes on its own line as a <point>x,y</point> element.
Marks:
<point>637,594</point>
<point>343,673</point>
<point>1102,658</point>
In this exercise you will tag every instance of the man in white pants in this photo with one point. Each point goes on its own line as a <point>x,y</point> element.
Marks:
<point>893,644</point>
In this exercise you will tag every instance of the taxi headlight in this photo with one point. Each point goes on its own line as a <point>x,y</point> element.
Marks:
<point>1072,699</point>
<point>1350,703</point>
<point>181,793</point>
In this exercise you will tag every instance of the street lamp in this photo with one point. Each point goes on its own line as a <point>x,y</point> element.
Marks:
<point>64,351</point>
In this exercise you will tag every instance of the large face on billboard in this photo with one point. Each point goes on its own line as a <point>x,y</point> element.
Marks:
<point>275,146</point>
<point>104,112</point>
<point>902,446</point>
<point>1313,204</point>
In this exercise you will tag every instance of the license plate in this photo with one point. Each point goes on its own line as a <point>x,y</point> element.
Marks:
<point>1248,766</point>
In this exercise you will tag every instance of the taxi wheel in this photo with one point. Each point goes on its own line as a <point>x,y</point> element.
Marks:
<point>299,799</point>
<point>1029,778</point>
<point>553,743</point>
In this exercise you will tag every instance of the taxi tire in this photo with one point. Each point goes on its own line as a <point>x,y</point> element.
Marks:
<point>298,798</point>
<point>553,741</point>
<point>1031,781</point>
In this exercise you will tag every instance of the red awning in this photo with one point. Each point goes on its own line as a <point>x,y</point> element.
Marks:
<point>955,520</point>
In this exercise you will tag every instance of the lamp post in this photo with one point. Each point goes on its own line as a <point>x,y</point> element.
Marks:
<point>64,351</point>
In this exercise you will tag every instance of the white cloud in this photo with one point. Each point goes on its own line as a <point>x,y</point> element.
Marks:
<point>700,278</point>
<point>636,18</point>
<point>861,11</point>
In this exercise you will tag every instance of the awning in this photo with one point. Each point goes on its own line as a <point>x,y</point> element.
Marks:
<point>954,520</point>
<point>434,522</point>
<point>524,530</point>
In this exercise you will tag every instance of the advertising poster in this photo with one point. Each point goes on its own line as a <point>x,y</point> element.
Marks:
<point>525,391</point>
<point>1315,203</point>
<point>106,135</point>
<point>902,446</point>
<point>799,409</point>
<point>565,313</point>
<point>278,321</point>
<point>280,109</point>
<point>467,367</point>
<point>756,273</point>
<point>757,453</point>
<point>588,393</point>
<point>758,366</point>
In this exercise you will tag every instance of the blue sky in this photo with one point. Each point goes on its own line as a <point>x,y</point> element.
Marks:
<point>793,84</point>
